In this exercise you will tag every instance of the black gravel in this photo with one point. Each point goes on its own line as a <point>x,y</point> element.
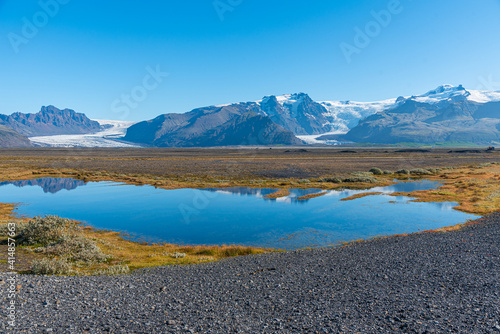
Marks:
<point>422,283</point>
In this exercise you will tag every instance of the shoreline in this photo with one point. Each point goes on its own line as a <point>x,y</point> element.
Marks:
<point>110,240</point>
<point>434,282</point>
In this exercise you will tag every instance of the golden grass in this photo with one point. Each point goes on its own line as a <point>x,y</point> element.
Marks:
<point>476,189</point>
<point>197,181</point>
<point>277,194</point>
<point>350,198</point>
<point>6,210</point>
<point>309,196</point>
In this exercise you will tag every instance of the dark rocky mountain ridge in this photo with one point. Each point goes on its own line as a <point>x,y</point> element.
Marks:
<point>50,121</point>
<point>236,124</point>
<point>457,121</point>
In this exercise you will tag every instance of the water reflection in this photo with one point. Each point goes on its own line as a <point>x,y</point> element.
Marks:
<point>48,184</point>
<point>262,192</point>
<point>233,215</point>
<point>342,193</point>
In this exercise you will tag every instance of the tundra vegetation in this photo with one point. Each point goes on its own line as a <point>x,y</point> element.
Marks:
<point>71,248</point>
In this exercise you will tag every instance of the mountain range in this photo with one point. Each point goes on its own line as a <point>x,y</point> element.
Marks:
<point>50,121</point>
<point>447,114</point>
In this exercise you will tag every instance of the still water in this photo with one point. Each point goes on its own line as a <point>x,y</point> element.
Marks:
<point>232,215</point>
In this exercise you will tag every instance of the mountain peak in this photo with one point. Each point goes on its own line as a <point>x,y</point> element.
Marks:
<point>451,94</point>
<point>52,109</point>
<point>445,89</point>
<point>443,93</point>
<point>293,98</point>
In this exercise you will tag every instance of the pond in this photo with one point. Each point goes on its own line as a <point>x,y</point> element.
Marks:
<point>232,215</point>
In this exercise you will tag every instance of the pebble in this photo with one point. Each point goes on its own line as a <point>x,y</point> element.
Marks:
<point>421,283</point>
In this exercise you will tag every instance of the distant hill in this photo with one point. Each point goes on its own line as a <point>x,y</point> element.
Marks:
<point>10,138</point>
<point>50,121</point>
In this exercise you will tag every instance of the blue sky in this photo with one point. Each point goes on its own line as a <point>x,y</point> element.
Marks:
<point>90,55</point>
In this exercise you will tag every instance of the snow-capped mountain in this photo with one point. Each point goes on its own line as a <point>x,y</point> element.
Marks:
<point>440,114</point>
<point>329,116</point>
<point>312,122</point>
<point>447,114</point>
<point>450,94</point>
<point>347,114</point>
<point>297,113</point>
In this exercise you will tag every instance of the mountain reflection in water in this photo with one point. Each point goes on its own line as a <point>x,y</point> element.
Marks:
<point>48,184</point>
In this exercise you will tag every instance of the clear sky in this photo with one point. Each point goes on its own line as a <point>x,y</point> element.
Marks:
<point>96,56</point>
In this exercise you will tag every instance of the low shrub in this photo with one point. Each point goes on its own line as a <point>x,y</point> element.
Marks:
<point>177,255</point>
<point>403,171</point>
<point>368,179</point>
<point>59,237</point>
<point>45,230</point>
<point>50,267</point>
<point>76,248</point>
<point>388,172</point>
<point>4,226</point>
<point>434,170</point>
<point>376,171</point>
<point>331,179</point>
<point>304,181</point>
<point>420,171</point>
<point>362,174</point>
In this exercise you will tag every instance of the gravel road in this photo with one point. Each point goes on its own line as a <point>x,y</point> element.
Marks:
<point>422,283</point>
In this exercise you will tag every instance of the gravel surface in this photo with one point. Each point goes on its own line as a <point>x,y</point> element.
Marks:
<point>422,283</point>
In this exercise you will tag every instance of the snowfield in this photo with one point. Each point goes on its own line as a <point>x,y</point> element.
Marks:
<point>108,137</point>
<point>313,139</point>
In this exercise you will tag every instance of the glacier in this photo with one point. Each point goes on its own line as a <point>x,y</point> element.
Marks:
<point>108,137</point>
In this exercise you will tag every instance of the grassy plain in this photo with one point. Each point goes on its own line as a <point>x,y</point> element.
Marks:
<point>470,178</point>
